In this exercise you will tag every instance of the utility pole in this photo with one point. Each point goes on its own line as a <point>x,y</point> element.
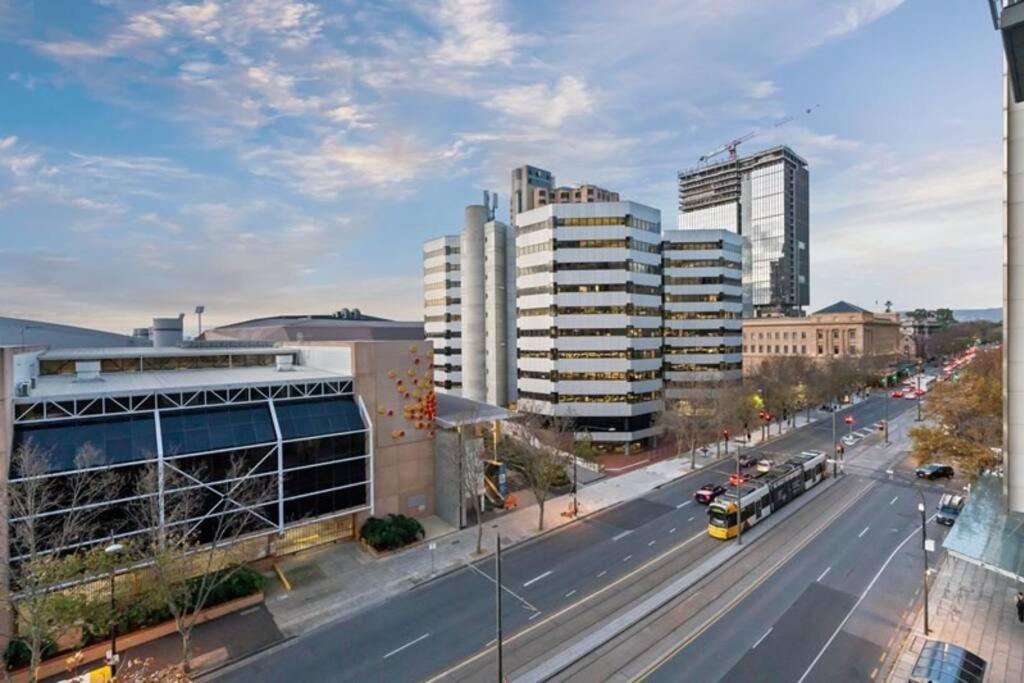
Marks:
<point>575,500</point>
<point>924,551</point>
<point>835,444</point>
<point>497,598</point>
<point>918,392</point>
<point>739,502</point>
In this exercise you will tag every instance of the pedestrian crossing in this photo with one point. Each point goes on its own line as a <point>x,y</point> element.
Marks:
<point>858,435</point>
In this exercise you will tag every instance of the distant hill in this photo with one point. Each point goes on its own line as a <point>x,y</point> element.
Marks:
<point>969,314</point>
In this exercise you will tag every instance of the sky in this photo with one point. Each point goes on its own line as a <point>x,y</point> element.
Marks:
<point>266,157</point>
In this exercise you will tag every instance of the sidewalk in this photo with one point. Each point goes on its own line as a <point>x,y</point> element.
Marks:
<point>974,608</point>
<point>336,580</point>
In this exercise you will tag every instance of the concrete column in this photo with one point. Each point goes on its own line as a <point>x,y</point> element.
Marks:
<point>474,374</point>
<point>1013,300</point>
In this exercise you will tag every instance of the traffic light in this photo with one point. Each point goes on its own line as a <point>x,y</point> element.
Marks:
<point>881,426</point>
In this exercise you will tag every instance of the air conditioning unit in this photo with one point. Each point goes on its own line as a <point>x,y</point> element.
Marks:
<point>22,389</point>
<point>285,363</point>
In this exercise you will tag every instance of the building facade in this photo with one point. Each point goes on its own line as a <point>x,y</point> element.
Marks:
<point>526,181</point>
<point>589,318</point>
<point>839,331</point>
<point>765,198</point>
<point>581,194</point>
<point>442,309</point>
<point>703,311</point>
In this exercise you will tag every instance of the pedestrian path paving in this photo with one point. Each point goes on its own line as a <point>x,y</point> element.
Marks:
<point>974,608</point>
<point>339,579</point>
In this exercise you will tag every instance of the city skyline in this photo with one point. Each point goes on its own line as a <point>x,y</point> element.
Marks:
<point>287,158</point>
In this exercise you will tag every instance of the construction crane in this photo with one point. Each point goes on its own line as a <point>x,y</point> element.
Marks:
<point>731,146</point>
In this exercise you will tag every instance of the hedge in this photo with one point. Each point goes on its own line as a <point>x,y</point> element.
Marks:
<point>394,532</point>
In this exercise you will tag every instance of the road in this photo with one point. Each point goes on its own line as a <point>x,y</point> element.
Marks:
<point>578,572</point>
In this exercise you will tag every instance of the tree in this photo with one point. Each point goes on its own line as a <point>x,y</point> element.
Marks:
<point>689,424</point>
<point>192,535</point>
<point>919,314</point>
<point>964,417</point>
<point>48,521</point>
<point>944,317</point>
<point>468,466</point>
<point>538,457</point>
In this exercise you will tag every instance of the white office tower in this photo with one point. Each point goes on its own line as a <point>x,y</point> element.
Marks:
<point>703,311</point>
<point>589,318</point>
<point>442,310</point>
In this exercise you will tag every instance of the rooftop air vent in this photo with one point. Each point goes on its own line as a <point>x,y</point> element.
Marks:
<point>285,363</point>
<point>87,371</point>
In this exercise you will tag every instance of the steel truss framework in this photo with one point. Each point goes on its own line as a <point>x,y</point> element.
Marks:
<point>170,466</point>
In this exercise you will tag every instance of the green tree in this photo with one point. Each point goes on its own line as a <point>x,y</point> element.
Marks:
<point>964,419</point>
<point>944,316</point>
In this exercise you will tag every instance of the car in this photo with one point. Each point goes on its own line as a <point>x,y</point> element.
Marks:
<point>897,394</point>
<point>919,392</point>
<point>910,396</point>
<point>765,465</point>
<point>934,470</point>
<point>707,493</point>
<point>950,507</point>
<point>747,460</point>
<point>737,478</point>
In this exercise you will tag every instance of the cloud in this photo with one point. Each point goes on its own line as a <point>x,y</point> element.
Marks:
<point>859,13</point>
<point>474,35</point>
<point>543,104</point>
<point>759,90</point>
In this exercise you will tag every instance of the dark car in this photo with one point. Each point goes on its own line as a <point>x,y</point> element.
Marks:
<point>934,471</point>
<point>950,507</point>
<point>747,460</point>
<point>707,493</point>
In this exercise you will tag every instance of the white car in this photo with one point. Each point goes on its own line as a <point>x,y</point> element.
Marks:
<point>764,465</point>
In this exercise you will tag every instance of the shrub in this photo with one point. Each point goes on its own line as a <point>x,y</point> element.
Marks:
<point>394,532</point>
<point>18,655</point>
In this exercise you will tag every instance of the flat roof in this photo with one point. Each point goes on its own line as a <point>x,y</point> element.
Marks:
<point>986,533</point>
<point>162,352</point>
<point>67,386</point>
<point>456,411</point>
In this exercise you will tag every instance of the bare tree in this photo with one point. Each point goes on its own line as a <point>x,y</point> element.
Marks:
<point>688,423</point>
<point>50,527</point>
<point>540,455</point>
<point>467,465</point>
<point>192,544</point>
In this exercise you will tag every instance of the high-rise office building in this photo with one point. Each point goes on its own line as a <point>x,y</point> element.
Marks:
<point>472,325</point>
<point>589,318</point>
<point>763,197</point>
<point>442,313</point>
<point>526,180</point>
<point>703,310</point>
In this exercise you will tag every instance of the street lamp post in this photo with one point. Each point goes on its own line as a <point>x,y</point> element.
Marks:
<point>497,598</point>
<point>575,488</point>
<point>739,502</point>
<point>835,443</point>
<point>924,552</point>
<point>918,392</point>
<point>112,550</point>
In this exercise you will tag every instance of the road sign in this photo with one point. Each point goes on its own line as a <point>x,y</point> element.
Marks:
<point>433,546</point>
<point>929,545</point>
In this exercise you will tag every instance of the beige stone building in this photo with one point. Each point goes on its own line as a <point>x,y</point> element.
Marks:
<point>841,330</point>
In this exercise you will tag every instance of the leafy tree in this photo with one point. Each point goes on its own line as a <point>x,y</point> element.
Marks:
<point>964,417</point>
<point>944,316</point>
<point>919,314</point>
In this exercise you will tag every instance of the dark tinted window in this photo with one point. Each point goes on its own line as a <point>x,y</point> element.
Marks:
<point>208,429</point>
<point>312,451</point>
<point>324,503</point>
<point>117,439</point>
<point>320,416</point>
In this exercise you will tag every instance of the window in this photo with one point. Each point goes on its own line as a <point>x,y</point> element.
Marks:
<point>210,429</point>
<point>118,439</point>
<point>317,417</point>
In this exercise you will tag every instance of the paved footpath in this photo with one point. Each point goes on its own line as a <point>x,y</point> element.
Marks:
<point>974,608</point>
<point>339,579</point>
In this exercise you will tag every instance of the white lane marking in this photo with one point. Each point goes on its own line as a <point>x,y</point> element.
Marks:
<point>691,519</point>
<point>827,570</point>
<point>763,637</point>
<point>682,505</point>
<point>493,641</point>
<point>534,616</point>
<point>627,558</point>
<point>571,593</point>
<point>842,624</point>
<point>504,588</point>
<point>603,572</point>
<point>650,544</point>
<point>409,644</point>
<point>537,578</point>
<point>894,499</point>
<point>861,534</point>
<point>622,535</point>
<point>672,530</point>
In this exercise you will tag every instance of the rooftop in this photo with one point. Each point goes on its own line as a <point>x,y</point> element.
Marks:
<point>335,327</point>
<point>100,353</point>
<point>841,307</point>
<point>985,533</point>
<point>20,332</point>
<point>455,411</point>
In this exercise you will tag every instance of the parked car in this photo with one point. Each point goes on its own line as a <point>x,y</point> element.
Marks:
<point>934,471</point>
<point>897,394</point>
<point>765,465</point>
<point>747,460</point>
<point>707,493</point>
<point>950,507</point>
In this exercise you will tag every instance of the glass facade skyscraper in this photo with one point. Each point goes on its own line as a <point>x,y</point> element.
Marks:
<point>763,197</point>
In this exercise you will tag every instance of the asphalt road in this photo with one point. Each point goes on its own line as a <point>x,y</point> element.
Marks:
<point>436,625</point>
<point>830,613</point>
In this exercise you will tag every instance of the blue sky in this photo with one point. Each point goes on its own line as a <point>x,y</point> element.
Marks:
<point>265,156</point>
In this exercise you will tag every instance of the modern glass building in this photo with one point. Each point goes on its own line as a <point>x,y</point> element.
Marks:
<point>765,198</point>
<point>194,415</point>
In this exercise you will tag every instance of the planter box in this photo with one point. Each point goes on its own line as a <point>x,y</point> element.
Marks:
<point>97,651</point>
<point>381,554</point>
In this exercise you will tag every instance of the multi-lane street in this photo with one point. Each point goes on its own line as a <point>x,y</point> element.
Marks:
<point>560,584</point>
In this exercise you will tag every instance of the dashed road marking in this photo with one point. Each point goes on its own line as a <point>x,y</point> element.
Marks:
<point>409,644</point>
<point>894,499</point>
<point>534,616</point>
<point>603,572</point>
<point>861,534</point>
<point>762,637</point>
<point>672,530</point>
<point>691,519</point>
<point>537,578</point>
<point>616,537</point>
<point>650,544</point>
<point>627,558</point>
<point>827,570</point>
<point>571,593</point>
<point>682,505</point>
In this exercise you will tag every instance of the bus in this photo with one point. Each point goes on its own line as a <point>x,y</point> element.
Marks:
<point>766,493</point>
